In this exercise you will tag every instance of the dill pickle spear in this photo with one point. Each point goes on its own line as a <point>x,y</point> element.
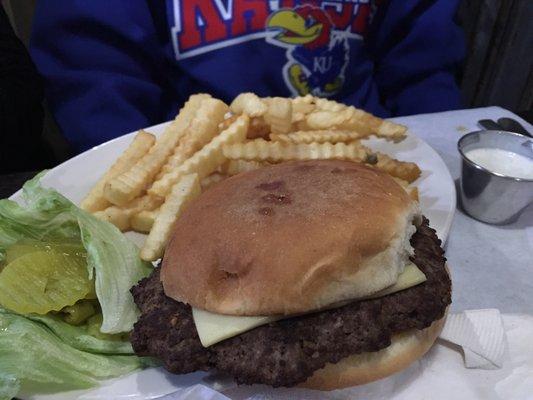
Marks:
<point>43,281</point>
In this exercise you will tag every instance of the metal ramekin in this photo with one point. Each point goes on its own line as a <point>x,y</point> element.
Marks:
<point>488,196</point>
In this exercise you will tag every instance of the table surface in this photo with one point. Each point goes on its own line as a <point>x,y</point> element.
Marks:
<point>492,266</point>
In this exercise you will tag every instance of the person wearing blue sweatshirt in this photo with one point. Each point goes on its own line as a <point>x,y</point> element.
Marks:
<point>112,67</point>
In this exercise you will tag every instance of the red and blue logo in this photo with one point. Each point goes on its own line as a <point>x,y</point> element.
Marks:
<point>315,34</point>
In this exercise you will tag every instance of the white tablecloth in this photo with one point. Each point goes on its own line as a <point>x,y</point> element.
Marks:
<point>492,266</point>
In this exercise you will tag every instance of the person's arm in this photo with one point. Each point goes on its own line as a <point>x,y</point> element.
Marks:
<point>103,66</point>
<point>21,115</point>
<point>417,48</point>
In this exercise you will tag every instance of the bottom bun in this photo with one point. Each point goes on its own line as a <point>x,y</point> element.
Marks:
<point>406,347</point>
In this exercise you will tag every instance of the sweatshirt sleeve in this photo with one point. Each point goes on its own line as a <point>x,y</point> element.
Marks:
<point>417,48</point>
<point>103,68</point>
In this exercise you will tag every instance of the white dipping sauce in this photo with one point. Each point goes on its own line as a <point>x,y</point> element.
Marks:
<point>502,162</point>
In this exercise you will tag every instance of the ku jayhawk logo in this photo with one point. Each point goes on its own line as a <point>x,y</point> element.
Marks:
<point>316,34</point>
<point>317,56</point>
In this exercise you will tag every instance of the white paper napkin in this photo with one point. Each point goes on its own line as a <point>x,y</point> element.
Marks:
<point>194,393</point>
<point>481,336</point>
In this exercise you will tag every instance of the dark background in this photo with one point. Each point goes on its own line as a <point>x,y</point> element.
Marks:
<point>498,69</point>
<point>499,65</point>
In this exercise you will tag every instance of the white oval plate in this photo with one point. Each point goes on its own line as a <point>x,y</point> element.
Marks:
<point>75,177</point>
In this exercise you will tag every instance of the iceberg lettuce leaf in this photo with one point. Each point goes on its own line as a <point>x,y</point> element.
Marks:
<point>33,359</point>
<point>112,259</point>
<point>77,336</point>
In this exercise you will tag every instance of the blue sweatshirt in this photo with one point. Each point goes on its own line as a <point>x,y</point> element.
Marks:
<point>112,67</point>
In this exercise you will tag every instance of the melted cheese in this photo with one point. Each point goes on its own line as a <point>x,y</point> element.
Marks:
<point>213,328</point>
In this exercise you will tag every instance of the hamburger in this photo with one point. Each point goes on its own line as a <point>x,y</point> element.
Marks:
<point>322,274</point>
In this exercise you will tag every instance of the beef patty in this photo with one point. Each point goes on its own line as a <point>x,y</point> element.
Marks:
<point>287,352</point>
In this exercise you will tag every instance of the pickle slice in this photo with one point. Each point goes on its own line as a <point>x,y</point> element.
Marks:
<point>43,281</point>
<point>79,312</point>
<point>27,246</point>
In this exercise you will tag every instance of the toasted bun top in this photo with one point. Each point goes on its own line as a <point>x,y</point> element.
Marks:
<point>290,238</point>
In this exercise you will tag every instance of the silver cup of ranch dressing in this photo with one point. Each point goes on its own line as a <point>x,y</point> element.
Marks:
<point>497,175</point>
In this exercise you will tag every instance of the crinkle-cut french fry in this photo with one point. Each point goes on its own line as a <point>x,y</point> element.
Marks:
<point>404,170</point>
<point>234,167</point>
<point>328,105</point>
<point>189,110</point>
<point>115,215</point>
<point>279,114</point>
<point>202,128</point>
<point>351,118</point>
<point>128,185</point>
<point>401,182</point>
<point>330,136</point>
<point>211,180</point>
<point>182,192</point>
<point>227,122</point>
<point>408,171</point>
<point>249,104</point>
<point>120,216</point>
<point>391,131</point>
<point>303,104</point>
<point>146,202</point>
<point>297,117</point>
<point>204,161</point>
<point>361,120</point>
<point>258,128</point>
<point>379,127</point>
<point>143,220</point>
<point>303,126</point>
<point>323,119</point>
<point>140,145</point>
<point>275,151</point>
<point>412,191</point>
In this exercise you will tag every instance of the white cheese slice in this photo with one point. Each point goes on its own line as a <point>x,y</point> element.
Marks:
<point>411,276</point>
<point>213,328</point>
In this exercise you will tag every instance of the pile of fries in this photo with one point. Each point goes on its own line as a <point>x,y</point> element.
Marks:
<point>151,183</point>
